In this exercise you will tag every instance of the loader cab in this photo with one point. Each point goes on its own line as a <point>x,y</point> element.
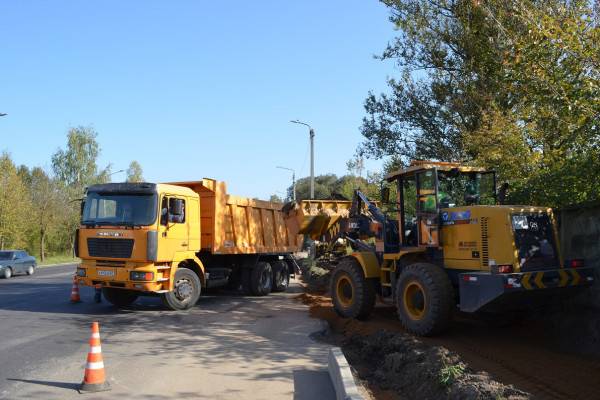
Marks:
<point>427,193</point>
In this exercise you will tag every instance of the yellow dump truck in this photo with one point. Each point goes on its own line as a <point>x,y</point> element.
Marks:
<point>174,239</point>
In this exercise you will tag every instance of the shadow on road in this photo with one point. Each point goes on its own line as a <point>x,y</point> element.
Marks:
<point>62,385</point>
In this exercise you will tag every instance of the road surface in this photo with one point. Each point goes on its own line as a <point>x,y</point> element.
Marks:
<point>228,346</point>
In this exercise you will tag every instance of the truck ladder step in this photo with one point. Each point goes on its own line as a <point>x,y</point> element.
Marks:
<point>162,279</point>
<point>161,267</point>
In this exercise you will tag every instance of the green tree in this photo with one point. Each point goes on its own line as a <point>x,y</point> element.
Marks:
<point>46,200</point>
<point>14,206</point>
<point>75,167</point>
<point>509,85</point>
<point>134,172</point>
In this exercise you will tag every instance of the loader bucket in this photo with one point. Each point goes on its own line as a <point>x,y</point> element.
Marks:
<point>316,218</point>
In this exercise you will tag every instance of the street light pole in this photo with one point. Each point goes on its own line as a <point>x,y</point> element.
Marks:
<point>311,132</point>
<point>293,181</point>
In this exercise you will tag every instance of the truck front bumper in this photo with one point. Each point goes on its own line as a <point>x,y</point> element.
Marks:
<point>480,289</point>
<point>120,277</point>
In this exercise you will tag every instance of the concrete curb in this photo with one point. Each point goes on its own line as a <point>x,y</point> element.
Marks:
<point>341,376</point>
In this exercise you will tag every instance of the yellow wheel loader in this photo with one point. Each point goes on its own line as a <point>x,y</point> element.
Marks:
<point>445,245</point>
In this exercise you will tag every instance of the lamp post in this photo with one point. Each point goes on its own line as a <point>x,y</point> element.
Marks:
<point>116,172</point>
<point>293,181</point>
<point>311,132</point>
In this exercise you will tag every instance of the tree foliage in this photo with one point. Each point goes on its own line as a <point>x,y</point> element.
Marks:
<point>135,172</point>
<point>39,210</point>
<point>509,85</point>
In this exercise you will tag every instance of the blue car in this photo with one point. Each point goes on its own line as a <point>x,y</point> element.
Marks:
<point>16,262</point>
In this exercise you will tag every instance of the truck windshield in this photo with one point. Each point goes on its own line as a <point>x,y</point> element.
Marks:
<point>6,255</point>
<point>119,209</point>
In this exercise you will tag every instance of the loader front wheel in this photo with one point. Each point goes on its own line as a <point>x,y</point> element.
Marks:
<point>352,294</point>
<point>424,299</point>
<point>186,291</point>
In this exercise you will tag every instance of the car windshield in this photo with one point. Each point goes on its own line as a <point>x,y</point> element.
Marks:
<point>119,209</point>
<point>6,255</point>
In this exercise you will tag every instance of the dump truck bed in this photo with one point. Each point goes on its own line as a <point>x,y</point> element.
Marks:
<point>239,225</point>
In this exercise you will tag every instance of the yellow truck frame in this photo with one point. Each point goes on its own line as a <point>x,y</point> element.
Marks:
<point>174,239</point>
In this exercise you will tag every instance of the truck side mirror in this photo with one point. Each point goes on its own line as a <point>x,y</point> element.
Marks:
<point>385,195</point>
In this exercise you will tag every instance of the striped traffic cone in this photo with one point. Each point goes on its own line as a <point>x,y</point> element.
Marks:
<point>94,379</point>
<point>75,291</point>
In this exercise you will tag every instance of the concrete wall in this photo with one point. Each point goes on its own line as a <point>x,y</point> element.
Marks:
<point>579,229</point>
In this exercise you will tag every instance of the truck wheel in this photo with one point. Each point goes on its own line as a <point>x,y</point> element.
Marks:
<point>186,291</point>
<point>119,297</point>
<point>281,276</point>
<point>7,273</point>
<point>30,270</point>
<point>353,296</point>
<point>424,299</point>
<point>261,279</point>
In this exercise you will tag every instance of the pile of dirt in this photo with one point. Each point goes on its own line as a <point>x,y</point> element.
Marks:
<point>402,364</point>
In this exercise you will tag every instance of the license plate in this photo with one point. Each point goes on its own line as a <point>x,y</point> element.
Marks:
<point>102,272</point>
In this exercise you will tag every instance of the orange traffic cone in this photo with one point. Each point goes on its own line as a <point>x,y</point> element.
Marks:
<point>75,291</point>
<point>94,379</point>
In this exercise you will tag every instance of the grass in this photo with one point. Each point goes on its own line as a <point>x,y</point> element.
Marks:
<point>58,259</point>
<point>449,373</point>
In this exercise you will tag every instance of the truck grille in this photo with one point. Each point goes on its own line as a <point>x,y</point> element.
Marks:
<point>534,239</point>
<point>112,248</point>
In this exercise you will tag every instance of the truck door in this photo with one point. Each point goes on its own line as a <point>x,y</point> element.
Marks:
<point>427,208</point>
<point>173,229</point>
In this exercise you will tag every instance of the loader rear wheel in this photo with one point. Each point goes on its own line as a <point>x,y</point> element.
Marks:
<point>424,299</point>
<point>261,279</point>
<point>119,297</point>
<point>352,294</point>
<point>186,290</point>
<point>281,276</point>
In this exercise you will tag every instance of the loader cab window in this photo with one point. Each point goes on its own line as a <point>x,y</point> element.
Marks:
<point>174,209</point>
<point>456,189</point>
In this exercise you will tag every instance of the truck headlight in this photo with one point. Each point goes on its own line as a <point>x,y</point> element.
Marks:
<point>141,276</point>
<point>81,272</point>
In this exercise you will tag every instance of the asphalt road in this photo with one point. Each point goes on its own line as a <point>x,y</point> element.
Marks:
<point>228,346</point>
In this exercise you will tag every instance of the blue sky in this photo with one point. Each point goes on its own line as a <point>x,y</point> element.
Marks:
<point>193,89</point>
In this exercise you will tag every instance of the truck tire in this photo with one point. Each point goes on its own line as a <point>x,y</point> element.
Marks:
<point>186,292</point>
<point>353,295</point>
<point>119,297</point>
<point>281,276</point>
<point>424,299</point>
<point>261,279</point>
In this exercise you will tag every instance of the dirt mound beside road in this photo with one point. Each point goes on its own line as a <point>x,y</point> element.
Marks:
<point>415,370</point>
<point>524,355</point>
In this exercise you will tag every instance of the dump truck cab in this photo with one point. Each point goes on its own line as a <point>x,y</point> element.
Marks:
<point>132,233</point>
<point>174,239</point>
<point>454,245</point>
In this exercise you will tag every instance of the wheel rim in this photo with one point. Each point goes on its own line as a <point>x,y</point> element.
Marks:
<point>7,273</point>
<point>345,291</point>
<point>184,289</point>
<point>30,270</point>
<point>415,300</point>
